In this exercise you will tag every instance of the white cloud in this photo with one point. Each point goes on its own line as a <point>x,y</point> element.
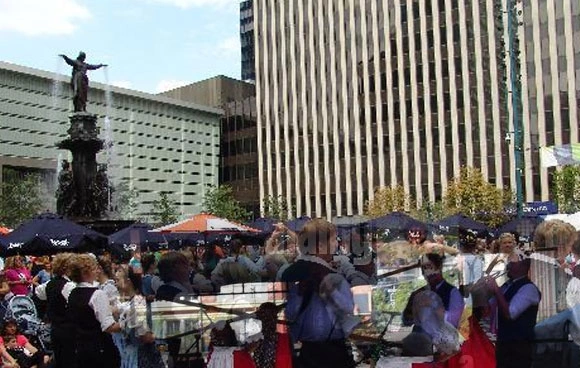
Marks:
<point>169,84</point>
<point>122,84</point>
<point>199,3</point>
<point>230,46</point>
<point>41,17</point>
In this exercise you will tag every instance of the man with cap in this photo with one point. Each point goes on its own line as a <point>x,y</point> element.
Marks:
<point>517,303</point>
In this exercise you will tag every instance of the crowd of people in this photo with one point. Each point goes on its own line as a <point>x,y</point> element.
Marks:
<point>90,302</point>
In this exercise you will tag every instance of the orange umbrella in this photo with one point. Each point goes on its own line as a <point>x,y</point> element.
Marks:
<point>206,223</point>
<point>4,230</point>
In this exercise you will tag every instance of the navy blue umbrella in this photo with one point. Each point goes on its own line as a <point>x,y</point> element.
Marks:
<point>264,224</point>
<point>48,234</point>
<point>452,224</point>
<point>136,236</point>
<point>524,226</point>
<point>396,223</point>
<point>296,225</point>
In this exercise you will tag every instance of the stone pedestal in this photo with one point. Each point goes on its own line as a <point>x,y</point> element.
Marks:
<point>79,194</point>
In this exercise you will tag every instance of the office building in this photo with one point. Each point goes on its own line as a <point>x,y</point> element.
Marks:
<point>353,95</point>
<point>239,152</point>
<point>550,53</point>
<point>247,40</point>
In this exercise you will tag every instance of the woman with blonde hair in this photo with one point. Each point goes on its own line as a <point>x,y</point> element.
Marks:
<point>91,314</point>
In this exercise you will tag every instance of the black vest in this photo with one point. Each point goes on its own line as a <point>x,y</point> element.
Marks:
<point>522,328</point>
<point>88,329</point>
<point>167,292</point>
<point>56,303</point>
<point>444,292</point>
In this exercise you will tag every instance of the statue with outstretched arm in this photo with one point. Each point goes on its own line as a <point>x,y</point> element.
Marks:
<point>80,80</point>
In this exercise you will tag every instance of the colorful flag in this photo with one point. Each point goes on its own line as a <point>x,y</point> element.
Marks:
<point>568,154</point>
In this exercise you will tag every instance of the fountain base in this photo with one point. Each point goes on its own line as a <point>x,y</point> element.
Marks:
<point>83,190</point>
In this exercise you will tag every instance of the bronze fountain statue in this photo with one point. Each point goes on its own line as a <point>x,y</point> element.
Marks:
<point>82,190</point>
<point>79,79</point>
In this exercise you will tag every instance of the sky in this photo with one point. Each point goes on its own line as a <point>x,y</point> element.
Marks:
<point>149,45</point>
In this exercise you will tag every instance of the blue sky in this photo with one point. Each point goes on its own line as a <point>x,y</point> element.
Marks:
<point>150,45</point>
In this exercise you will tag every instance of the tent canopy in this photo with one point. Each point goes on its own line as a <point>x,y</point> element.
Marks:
<point>205,223</point>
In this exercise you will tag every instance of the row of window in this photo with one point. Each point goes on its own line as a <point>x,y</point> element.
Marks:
<point>407,75</point>
<point>240,146</point>
<point>235,123</point>
<point>239,172</point>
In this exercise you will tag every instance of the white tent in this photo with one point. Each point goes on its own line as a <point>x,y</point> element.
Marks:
<point>573,219</point>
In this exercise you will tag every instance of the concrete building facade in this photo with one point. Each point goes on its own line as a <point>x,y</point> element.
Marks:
<point>353,95</point>
<point>156,144</point>
<point>550,54</point>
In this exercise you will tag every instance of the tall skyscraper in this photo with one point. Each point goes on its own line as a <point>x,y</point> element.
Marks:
<point>550,54</point>
<point>247,40</point>
<point>355,94</point>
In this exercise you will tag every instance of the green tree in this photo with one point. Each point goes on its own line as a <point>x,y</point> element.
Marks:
<point>125,201</point>
<point>276,207</point>
<point>387,200</point>
<point>566,189</point>
<point>19,198</point>
<point>429,211</point>
<point>470,194</point>
<point>164,209</point>
<point>219,201</point>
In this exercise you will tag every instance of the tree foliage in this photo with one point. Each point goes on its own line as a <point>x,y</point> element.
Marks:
<point>125,201</point>
<point>566,189</point>
<point>20,197</point>
<point>471,195</point>
<point>429,211</point>
<point>164,209</point>
<point>276,207</point>
<point>219,201</point>
<point>387,200</point>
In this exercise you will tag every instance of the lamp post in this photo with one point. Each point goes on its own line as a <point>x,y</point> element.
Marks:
<point>514,72</point>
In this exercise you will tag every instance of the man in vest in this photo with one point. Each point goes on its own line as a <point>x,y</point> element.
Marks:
<point>432,270</point>
<point>420,341</point>
<point>56,293</point>
<point>517,303</point>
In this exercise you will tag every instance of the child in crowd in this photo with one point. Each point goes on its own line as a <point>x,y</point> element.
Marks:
<point>23,357</point>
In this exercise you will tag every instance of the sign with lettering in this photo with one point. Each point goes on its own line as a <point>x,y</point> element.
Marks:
<point>59,243</point>
<point>540,208</point>
<point>130,247</point>
<point>15,245</point>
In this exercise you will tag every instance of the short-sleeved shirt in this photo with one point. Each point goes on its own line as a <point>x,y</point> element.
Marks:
<point>21,340</point>
<point>18,275</point>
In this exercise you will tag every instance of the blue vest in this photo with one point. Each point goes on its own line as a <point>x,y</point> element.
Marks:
<point>444,292</point>
<point>522,328</point>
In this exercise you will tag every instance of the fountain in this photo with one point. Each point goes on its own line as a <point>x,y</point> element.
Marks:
<point>83,191</point>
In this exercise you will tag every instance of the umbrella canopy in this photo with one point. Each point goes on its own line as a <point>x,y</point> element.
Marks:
<point>264,224</point>
<point>205,223</point>
<point>49,234</point>
<point>297,224</point>
<point>395,222</point>
<point>136,236</point>
<point>524,226</point>
<point>452,224</point>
